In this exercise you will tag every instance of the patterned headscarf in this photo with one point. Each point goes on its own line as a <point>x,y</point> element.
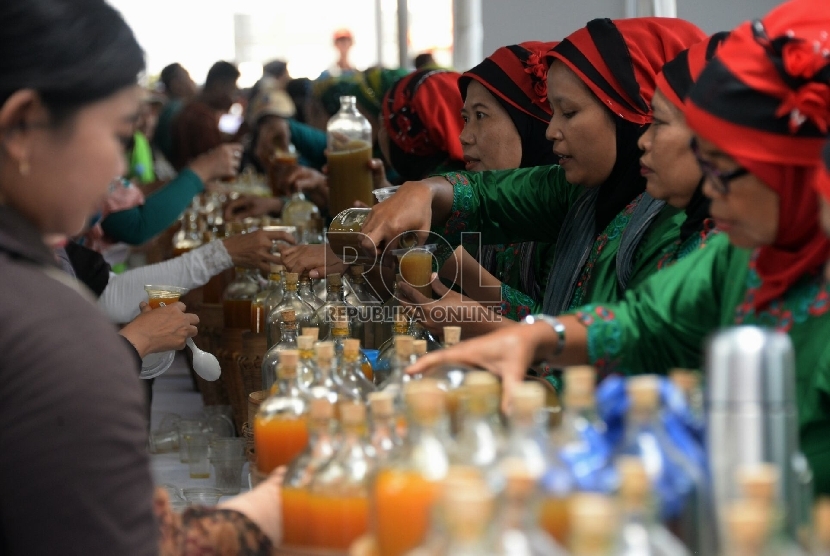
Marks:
<point>370,86</point>
<point>765,101</point>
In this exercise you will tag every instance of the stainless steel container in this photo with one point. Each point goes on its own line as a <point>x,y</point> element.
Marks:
<point>753,417</point>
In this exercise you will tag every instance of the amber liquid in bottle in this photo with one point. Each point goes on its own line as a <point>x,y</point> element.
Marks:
<point>350,178</point>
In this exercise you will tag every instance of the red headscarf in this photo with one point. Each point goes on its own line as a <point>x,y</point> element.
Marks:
<point>621,72</point>
<point>765,101</point>
<point>422,114</point>
<point>678,76</point>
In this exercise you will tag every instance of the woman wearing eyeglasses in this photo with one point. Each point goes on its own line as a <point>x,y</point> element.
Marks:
<point>758,141</point>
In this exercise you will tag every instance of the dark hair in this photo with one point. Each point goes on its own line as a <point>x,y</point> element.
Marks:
<point>168,74</point>
<point>424,60</point>
<point>72,52</point>
<point>299,90</point>
<point>275,68</point>
<point>221,72</point>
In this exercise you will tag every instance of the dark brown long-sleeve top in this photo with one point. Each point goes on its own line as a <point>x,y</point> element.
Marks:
<point>74,470</point>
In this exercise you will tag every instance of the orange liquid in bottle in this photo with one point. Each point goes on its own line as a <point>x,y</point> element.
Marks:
<point>403,502</point>
<point>296,515</point>
<point>350,178</point>
<point>416,270</point>
<point>554,518</point>
<point>366,367</point>
<point>237,313</point>
<point>278,440</point>
<point>336,522</point>
<point>155,302</point>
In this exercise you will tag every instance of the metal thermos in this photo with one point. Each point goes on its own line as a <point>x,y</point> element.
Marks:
<point>752,417</point>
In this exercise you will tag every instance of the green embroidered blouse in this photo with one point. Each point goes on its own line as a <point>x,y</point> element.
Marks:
<point>663,324</point>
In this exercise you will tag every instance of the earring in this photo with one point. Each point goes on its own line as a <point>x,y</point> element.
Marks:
<point>23,167</point>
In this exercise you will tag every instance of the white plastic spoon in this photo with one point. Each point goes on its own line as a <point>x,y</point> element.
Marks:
<point>205,364</point>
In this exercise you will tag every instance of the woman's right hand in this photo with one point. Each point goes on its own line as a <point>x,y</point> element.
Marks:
<point>221,162</point>
<point>252,206</point>
<point>253,250</point>
<point>409,209</point>
<point>318,260</point>
<point>161,329</point>
<point>313,184</point>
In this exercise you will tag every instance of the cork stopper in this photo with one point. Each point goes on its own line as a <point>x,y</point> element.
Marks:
<point>580,382</point>
<point>686,380</point>
<point>276,268</point>
<point>340,322</point>
<point>356,270</point>
<point>382,404</point>
<point>325,351</point>
<point>425,399</point>
<point>459,476</point>
<point>321,408</point>
<point>288,363</point>
<point>643,393</point>
<point>467,509</point>
<point>333,280</point>
<point>527,398</point>
<point>452,335</point>
<point>289,316</point>
<point>352,413</point>
<point>634,483</point>
<point>351,347</point>
<point>520,482</point>
<point>305,343</point>
<point>419,347</point>
<point>748,526</point>
<point>593,516</point>
<point>403,346</point>
<point>821,521</point>
<point>311,331</point>
<point>292,278</point>
<point>759,482</point>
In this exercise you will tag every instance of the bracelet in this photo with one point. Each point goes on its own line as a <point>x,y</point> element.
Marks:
<point>554,323</point>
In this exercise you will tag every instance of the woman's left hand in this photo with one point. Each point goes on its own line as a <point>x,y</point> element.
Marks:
<point>254,250</point>
<point>318,260</point>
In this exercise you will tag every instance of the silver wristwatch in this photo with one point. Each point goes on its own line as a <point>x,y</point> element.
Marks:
<point>554,323</point>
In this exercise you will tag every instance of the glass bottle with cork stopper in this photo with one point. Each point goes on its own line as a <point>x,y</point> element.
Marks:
<point>688,382</point>
<point>322,445</point>
<point>406,488</point>
<point>383,430</point>
<point>189,236</point>
<point>349,141</point>
<point>350,380</point>
<point>280,426</point>
<point>271,360</point>
<point>237,298</point>
<point>322,383</point>
<point>640,532</point>
<point>402,352</point>
<point>276,292</point>
<point>307,294</point>
<point>340,489</point>
<point>386,353</point>
<point>334,306</point>
<point>527,429</point>
<point>259,305</point>
<point>303,214</point>
<point>747,529</point>
<point>303,313</point>
<point>306,368</point>
<point>594,523</point>
<point>481,437</point>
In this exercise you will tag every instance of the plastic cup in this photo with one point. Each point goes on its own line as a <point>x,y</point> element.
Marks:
<point>227,473</point>
<point>163,442</point>
<point>227,447</point>
<point>202,496</point>
<point>197,455</point>
<point>163,294</point>
<point>187,427</point>
<point>416,267</point>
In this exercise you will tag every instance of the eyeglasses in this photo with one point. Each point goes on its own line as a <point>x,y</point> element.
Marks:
<point>719,180</point>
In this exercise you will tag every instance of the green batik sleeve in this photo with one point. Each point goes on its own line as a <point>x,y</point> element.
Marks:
<point>662,323</point>
<point>310,142</point>
<point>159,211</point>
<point>515,305</point>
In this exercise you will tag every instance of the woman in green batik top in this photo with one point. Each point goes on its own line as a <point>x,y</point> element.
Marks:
<point>609,233</point>
<point>758,142</point>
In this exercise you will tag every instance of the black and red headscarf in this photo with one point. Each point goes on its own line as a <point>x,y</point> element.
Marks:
<point>422,116</point>
<point>619,61</point>
<point>516,76</point>
<point>675,82</point>
<point>765,101</point>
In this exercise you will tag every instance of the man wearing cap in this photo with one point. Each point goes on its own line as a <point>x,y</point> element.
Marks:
<point>343,42</point>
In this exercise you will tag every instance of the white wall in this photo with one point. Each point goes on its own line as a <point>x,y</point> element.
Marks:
<point>513,21</point>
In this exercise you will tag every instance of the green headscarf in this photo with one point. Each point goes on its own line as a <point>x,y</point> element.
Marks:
<point>371,85</point>
<point>329,90</point>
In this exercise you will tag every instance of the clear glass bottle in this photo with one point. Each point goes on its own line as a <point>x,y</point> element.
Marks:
<point>340,489</point>
<point>679,484</point>
<point>350,380</point>
<point>688,382</point>
<point>747,530</point>
<point>481,439</point>
<point>280,426</point>
<point>307,294</point>
<point>303,312</point>
<point>390,310</point>
<point>334,306</point>
<point>384,432</point>
<point>386,353</point>
<point>338,333</point>
<point>406,488</point>
<point>303,214</point>
<point>517,532</point>
<point>288,341</point>
<point>361,300</point>
<point>594,524</point>
<point>397,377</point>
<point>419,349</point>
<point>189,236</point>
<point>420,333</point>
<point>276,294</point>
<point>640,532</point>
<point>237,298</point>
<point>259,303</point>
<point>319,288</point>
<point>349,136</point>
<point>527,430</point>
<point>358,293</point>
<point>322,444</point>
<point>306,368</point>
<point>322,382</point>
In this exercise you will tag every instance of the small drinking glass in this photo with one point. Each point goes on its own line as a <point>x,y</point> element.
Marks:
<point>227,473</point>
<point>416,267</point>
<point>202,496</point>
<point>188,427</point>
<point>197,455</point>
<point>227,447</point>
<point>154,364</point>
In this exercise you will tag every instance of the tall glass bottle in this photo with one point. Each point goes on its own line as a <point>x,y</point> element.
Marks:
<point>397,376</point>
<point>288,341</point>
<point>306,368</point>
<point>390,310</point>
<point>274,297</point>
<point>189,236</point>
<point>677,481</point>
<point>322,444</point>
<point>303,214</point>
<point>237,298</point>
<point>384,432</point>
<point>386,353</point>
<point>334,306</point>
<point>527,430</point>
<point>338,333</point>
<point>405,490</point>
<point>291,301</point>
<point>259,303</point>
<point>307,294</point>
<point>280,427</point>
<point>350,379</point>
<point>594,523</point>
<point>349,152</point>
<point>322,382</point>
<point>361,300</point>
<point>480,441</point>
<point>340,489</point>
<point>517,532</point>
<point>640,532</point>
